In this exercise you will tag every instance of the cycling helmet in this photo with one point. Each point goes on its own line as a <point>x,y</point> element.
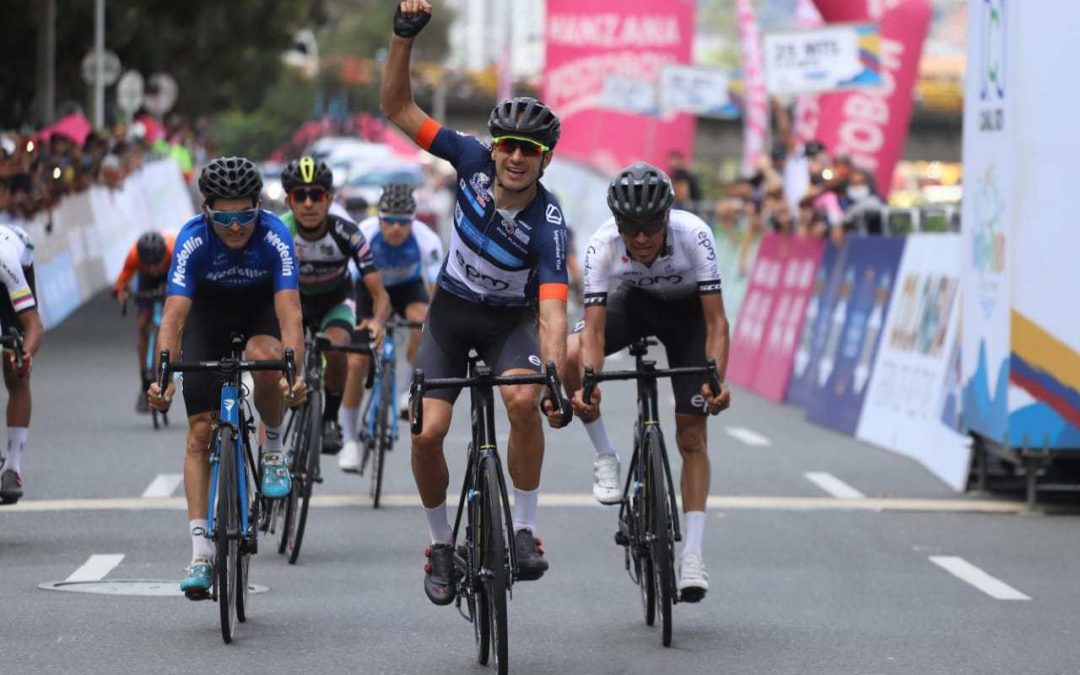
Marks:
<point>151,248</point>
<point>641,192</point>
<point>525,117</point>
<point>397,199</point>
<point>230,178</point>
<point>306,171</point>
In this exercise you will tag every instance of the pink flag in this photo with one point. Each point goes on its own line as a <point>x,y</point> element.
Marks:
<point>756,107</point>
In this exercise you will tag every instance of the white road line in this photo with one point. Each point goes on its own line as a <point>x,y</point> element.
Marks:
<point>733,503</point>
<point>833,485</point>
<point>747,436</point>
<point>965,571</point>
<point>164,485</point>
<point>96,567</point>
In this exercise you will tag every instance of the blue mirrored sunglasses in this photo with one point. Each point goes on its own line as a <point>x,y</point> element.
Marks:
<point>396,220</point>
<point>245,218</point>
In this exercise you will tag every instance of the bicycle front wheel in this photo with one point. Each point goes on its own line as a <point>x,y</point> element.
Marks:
<point>662,550</point>
<point>495,568</point>
<point>307,464</point>
<point>226,534</point>
<point>382,434</point>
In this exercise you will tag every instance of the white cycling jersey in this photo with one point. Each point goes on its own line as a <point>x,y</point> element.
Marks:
<point>686,265</point>
<point>420,256</point>
<point>16,254</point>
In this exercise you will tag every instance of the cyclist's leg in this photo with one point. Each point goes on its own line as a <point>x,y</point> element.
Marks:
<point>412,304</point>
<point>18,415</point>
<point>338,324</point>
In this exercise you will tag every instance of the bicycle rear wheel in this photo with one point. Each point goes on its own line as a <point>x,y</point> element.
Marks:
<point>226,534</point>
<point>382,434</point>
<point>495,573</point>
<point>662,552</point>
<point>306,462</point>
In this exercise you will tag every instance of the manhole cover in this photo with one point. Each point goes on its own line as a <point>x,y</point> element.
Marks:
<point>144,587</point>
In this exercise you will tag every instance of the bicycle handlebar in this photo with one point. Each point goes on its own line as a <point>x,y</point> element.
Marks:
<point>151,295</point>
<point>589,382</point>
<point>286,365</point>
<point>549,377</point>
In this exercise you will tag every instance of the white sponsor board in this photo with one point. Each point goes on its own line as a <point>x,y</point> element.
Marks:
<point>629,95</point>
<point>908,399</point>
<point>701,91</point>
<point>822,59</point>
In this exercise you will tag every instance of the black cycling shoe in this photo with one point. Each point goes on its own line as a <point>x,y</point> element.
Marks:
<point>11,485</point>
<point>530,555</point>
<point>439,578</point>
<point>331,438</point>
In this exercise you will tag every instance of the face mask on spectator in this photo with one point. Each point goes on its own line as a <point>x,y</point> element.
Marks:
<point>857,192</point>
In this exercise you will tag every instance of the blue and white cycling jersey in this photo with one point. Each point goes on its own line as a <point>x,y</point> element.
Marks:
<point>418,257</point>
<point>202,262</point>
<point>496,258</point>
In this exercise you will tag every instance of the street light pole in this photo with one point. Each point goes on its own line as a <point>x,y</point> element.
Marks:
<point>99,64</point>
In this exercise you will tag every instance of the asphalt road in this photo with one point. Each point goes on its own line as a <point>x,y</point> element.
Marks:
<point>802,581</point>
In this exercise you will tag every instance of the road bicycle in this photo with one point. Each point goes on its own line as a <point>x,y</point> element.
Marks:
<point>155,296</point>
<point>484,559</point>
<point>235,502</point>
<point>648,513</point>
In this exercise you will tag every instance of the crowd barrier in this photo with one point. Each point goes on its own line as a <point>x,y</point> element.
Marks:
<point>80,247</point>
<point>865,339</point>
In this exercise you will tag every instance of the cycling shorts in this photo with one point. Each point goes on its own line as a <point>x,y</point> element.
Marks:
<point>401,296</point>
<point>8,317</point>
<point>323,310</point>
<point>208,336</point>
<point>679,325</point>
<point>143,283</point>
<point>504,337</point>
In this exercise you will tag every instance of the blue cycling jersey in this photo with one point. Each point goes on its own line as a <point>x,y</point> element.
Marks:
<point>417,258</point>
<point>202,262</point>
<point>498,258</point>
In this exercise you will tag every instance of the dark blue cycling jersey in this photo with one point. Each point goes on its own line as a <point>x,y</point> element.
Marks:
<point>201,261</point>
<point>495,259</point>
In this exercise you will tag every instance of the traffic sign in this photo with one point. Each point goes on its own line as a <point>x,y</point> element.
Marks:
<point>129,92</point>
<point>110,68</point>
<point>162,92</point>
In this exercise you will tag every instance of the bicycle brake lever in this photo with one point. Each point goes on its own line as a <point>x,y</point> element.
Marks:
<point>714,377</point>
<point>163,372</point>
<point>588,385</point>
<point>556,397</point>
<point>416,402</point>
<point>290,367</point>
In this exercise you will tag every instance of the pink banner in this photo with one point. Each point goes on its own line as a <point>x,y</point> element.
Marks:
<point>588,40</point>
<point>754,312</point>
<point>756,107</point>
<point>871,126</point>
<point>800,258</point>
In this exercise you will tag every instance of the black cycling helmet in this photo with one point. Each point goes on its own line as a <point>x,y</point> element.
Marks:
<point>397,200</point>
<point>151,248</point>
<point>230,178</point>
<point>306,171</point>
<point>641,192</point>
<point>525,117</point>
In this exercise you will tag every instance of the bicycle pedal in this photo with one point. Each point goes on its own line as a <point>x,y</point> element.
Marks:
<point>197,594</point>
<point>318,479</point>
<point>621,539</point>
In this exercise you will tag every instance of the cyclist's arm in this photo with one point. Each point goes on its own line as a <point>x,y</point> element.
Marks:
<point>131,266</point>
<point>553,291</point>
<point>33,330</point>
<point>290,320</point>
<point>173,317</point>
<point>553,331</point>
<point>380,299</point>
<point>396,97</point>
<point>592,338</point>
<point>717,339</point>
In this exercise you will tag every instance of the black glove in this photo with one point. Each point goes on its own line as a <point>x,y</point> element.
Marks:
<point>411,26</point>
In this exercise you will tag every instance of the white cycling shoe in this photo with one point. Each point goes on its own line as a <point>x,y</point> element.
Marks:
<point>606,488</point>
<point>349,457</point>
<point>693,578</point>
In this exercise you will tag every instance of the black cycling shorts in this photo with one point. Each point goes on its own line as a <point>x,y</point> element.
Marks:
<point>504,337</point>
<point>324,310</point>
<point>401,296</point>
<point>8,317</point>
<point>679,325</point>
<point>208,336</point>
<point>143,283</point>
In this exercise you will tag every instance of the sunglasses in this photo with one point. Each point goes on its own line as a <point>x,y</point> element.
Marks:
<point>632,228</point>
<point>528,147</point>
<point>301,195</point>
<point>245,218</point>
<point>401,221</point>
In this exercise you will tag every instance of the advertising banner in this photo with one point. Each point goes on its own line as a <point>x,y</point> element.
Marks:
<point>907,401</point>
<point>815,331</point>
<point>756,104</point>
<point>855,324</point>
<point>871,125</point>
<point>801,259</point>
<point>588,40</point>
<point>747,340</point>
<point>989,210</point>
<point>625,94</point>
<point>830,58</point>
<point>700,91</point>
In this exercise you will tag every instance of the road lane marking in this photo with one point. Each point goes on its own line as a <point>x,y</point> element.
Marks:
<point>833,485</point>
<point>164,485</point>
<point>747,436</point>
<point>96,567</point>
<point>965,571</point>
<point>749,503</point>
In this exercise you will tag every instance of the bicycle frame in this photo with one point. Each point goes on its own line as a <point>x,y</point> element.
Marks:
<point>231,419</point>
<point>385,366</point>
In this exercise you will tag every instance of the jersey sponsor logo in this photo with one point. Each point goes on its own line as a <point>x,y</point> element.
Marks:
<point>188,248</point>
<point>704,240</point>
<point>476,275</point>
<point>709,286</point>
<point>326,249</point>
<point>283,250</point>
<point>673,279</point>
<point>595,299</point>
<point>236,274</point>
<point>480,182</point>
<point>535,360</point>
<point>553,215</point>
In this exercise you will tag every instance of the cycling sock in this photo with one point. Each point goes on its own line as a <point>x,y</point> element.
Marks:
<point>200,543</point>
<point>16,441</point>
<point>273,439</point>
<point>695,530</point>
<point>333,403</point>
<point>525,509</point>
<point>349,418</point>
<point>598,436</point>
<point>438,524</point>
